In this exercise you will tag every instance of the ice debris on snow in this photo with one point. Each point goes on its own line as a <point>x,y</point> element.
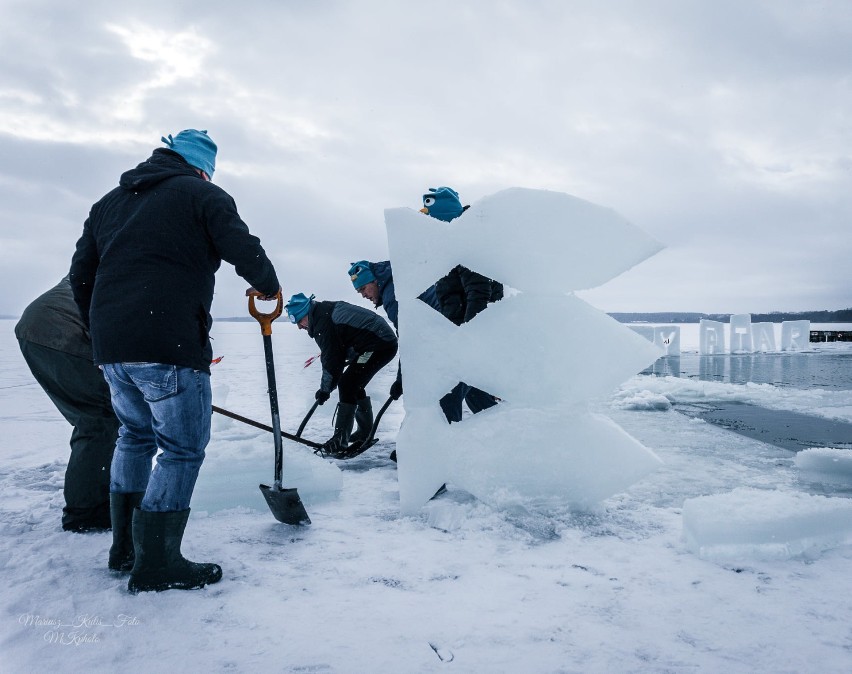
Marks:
<point>829,461</point>
<point>751,523</point>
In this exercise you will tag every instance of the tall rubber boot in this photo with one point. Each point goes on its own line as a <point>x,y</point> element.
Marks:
<point>159,564</point>
<point>121,508</point>
<point>363,420</point>
<point>337,444</point>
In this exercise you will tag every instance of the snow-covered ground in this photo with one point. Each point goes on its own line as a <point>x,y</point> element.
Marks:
<point>459,587</point>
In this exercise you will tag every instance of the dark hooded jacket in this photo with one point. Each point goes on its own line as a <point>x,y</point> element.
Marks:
<point>464,293</point>
<point>344,331</point>
<point>144,269</point>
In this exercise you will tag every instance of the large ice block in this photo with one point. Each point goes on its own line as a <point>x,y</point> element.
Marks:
<point>795,335</point>
<point>740,327</point>
<point>763,336</point>
<point>711,337</point>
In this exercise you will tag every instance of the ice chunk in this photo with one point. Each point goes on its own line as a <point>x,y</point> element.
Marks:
<point>711,337</point>
<point>754,523</point>
<point>740,325</point>
<point>833,462</point>
<point>763,336</point>
<point>229,482</point>
<point>795,335</point>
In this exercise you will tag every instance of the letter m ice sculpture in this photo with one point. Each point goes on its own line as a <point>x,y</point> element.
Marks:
<point>543,351</point>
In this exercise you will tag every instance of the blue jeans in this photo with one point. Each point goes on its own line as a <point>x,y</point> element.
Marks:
<point>163,406</point>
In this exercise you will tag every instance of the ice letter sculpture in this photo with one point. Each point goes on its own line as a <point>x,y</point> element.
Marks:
<point>741,336</point>
<point>541,350</point>
<point>711,337</point>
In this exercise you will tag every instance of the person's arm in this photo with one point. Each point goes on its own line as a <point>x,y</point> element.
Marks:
<point>84,267</point>
<point>236,245</point>
<point>477,292</point>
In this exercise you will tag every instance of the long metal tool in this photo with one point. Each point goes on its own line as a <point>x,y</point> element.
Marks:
<point>265,427</point>
<point>285,504</point>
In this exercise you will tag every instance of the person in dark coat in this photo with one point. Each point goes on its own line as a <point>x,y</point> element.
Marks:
<point>143,276</point>
<point>56,345</point>
<point>355,344</point>
<point>461,294</point>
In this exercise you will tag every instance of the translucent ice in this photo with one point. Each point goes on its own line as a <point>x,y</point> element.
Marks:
<point>763,336</point>
<point>795,335</point>
<point>711,337</point>
<point>666,337</point>
<point>747,523</point>
<point>740,325</point>
<point>543,352</point>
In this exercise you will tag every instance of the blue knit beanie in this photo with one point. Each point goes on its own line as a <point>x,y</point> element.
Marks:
<point>298,307</point>
<point>442,203</point>
<point>196,147</point>
<point>361,274</point>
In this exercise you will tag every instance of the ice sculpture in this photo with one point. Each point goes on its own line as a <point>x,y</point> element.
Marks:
<point>667,337</point>
<point>544,352</point>
<point>741,341</point>
<point>711,337</point>
<point>795,335</point>
<point>763,336</point>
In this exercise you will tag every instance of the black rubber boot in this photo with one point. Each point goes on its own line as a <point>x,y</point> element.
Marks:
<point>159,564</point>
<point>337,444</point>
<point>121,508</point>
<point>363,420</point>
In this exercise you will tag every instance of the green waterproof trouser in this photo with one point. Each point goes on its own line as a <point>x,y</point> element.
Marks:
<point>77,388</point>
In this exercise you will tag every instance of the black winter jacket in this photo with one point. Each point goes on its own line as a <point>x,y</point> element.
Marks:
<point>463,293</point>
<point>144,269</point>
<point>343,331</point>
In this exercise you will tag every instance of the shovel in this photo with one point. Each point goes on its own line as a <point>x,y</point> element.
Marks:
<point>285,504</point>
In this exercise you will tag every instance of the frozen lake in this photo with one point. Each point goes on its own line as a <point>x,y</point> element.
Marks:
<point>460,585</point>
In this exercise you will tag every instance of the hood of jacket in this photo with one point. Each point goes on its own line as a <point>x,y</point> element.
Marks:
<point>161,165</point>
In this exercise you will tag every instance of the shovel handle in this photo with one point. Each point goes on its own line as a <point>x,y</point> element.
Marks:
<point>265,320</point>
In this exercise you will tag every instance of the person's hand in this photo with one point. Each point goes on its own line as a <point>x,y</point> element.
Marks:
<point>322,396</point>
<point>259,295</point>
<point>396,389</point>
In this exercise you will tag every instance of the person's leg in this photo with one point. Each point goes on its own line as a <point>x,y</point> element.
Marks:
<point>78,390</point>
<point>351,388</point>
<point>136,445</point>
<point>180,408</point>
<point>451,404</point>
<point>180,404</point>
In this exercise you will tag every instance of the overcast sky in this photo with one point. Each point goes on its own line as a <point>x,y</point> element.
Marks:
<point>721,128</point>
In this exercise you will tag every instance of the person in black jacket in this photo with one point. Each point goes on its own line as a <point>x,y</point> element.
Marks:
<point>462,294</point>
<point>355,344</point>
<point>143,276</point>
<point>56,346</point>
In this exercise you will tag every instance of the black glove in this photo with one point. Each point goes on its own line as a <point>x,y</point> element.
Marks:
<point>322,396</point>
<point>396,389</point>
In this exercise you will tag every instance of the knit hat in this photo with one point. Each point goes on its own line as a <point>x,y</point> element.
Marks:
<point>442,203</point>
<point>361,274</point>
<point>298,307</point>
<point>196,147</point>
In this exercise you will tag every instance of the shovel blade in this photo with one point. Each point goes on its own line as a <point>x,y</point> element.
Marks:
<point>285,504</point>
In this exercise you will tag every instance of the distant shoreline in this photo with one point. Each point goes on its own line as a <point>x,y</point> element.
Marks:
<point>840,316</point>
